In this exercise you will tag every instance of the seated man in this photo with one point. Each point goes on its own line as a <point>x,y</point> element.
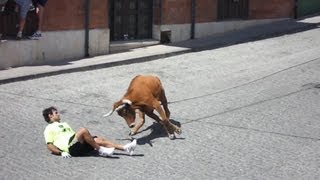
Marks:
<point>62,140</point>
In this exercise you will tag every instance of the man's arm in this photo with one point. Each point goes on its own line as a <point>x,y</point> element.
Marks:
<point>57,151</point>
<point>54,149</point>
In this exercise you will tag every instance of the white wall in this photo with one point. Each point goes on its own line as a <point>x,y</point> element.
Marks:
<point>207,29</point>
<point>181,32</point>
<point>54,46</point>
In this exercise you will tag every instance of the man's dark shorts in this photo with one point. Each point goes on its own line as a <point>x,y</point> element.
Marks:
<point>79,149</point>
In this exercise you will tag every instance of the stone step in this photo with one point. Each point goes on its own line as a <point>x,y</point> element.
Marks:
<point>122,46</point>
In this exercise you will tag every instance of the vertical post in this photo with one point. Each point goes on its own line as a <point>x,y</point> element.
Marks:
<point>295,10</point>
<point>193,17</point>
<point>160,12</point>
<point>87,23</point>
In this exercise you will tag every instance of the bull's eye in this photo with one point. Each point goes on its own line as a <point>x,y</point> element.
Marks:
<point>123,112</point>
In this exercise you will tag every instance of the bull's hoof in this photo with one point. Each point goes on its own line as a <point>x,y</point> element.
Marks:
<point>172,136</point>
<point>178,130</point>
<point>168,114</point>
<point>132,133</point>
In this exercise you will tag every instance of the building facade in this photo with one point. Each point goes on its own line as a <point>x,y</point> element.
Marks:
<point>80,28</point>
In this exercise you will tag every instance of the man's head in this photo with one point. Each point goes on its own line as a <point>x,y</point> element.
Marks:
<point>51,114</point>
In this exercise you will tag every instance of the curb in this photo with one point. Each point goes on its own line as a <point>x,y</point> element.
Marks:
<point>93,67</point>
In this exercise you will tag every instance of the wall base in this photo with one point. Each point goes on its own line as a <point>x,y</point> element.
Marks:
<point>54,46</point>
<point>181,32</point>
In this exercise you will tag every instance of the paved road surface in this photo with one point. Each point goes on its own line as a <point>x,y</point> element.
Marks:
<point>248,111</point>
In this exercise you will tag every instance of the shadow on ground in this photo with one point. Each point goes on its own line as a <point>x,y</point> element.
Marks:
<point>157,131</point>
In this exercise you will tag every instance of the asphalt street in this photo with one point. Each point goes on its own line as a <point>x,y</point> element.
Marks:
<point>247,111</point>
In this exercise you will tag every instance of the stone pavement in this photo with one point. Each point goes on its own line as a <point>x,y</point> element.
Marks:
<point>160,51</point>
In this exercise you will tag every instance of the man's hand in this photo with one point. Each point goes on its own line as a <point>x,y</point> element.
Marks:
<point>65,155</point>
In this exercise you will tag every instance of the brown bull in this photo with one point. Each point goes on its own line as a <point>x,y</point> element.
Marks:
<point>144,95</point>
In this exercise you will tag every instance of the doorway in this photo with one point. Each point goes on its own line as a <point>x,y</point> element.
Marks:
<point>131,19</point>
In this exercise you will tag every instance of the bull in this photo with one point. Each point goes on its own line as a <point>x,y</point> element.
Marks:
<point>144,95</point>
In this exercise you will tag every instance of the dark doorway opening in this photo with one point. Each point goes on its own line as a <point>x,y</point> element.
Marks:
<point>131,19</point>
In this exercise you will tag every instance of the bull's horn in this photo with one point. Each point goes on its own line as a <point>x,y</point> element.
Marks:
<point>127,101</point>
<point>120,107</point>
<point>108,114</point>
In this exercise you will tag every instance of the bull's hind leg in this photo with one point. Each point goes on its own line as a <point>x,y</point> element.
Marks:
<point>171,128</point>
<point>176,129</point>
<point>155,117</point>
<point>164,103</point>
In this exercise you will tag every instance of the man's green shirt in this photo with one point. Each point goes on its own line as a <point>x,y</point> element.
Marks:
<point>59,135</point>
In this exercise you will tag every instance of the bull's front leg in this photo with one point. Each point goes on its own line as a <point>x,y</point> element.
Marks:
<point>141,122</point>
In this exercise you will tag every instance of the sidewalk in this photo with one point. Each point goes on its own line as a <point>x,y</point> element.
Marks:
<point>160,51</point>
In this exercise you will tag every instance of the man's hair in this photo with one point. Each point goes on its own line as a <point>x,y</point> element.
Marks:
<point>46,112</point>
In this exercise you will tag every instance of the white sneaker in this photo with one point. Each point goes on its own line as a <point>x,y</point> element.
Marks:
<point>19,35</point>
<point>103,151</point>
<point>130,147</point>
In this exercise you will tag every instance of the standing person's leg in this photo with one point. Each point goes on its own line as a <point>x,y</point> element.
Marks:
<point>22,22</point>
<point>40,16</point>
<point>23,10</point>
<point>40,10</point>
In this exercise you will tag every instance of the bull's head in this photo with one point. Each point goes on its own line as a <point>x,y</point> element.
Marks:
<point>125,110</point>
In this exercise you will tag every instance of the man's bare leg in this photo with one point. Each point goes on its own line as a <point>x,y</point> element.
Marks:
<point>109,144</point>
<point>83,135</point>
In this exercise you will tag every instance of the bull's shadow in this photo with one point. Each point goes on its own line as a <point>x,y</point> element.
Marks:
<point>157,131</point>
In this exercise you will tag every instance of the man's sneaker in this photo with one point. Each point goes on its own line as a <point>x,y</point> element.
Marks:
<point>103,151</point>
<point>19,35</point>
<point>35,36</point>
<point>130,147</point>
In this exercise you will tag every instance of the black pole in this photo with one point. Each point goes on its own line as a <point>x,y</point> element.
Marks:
<point>160,12</point>
<point>193,17</point>
<point>87,23</point>
<point>295,9</point>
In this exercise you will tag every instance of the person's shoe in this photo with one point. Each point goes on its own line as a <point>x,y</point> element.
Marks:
<point>35,36</point>
<point>130,147</point>
<point>31,7</point>
<point>19,36</point>
<point>103,151</point>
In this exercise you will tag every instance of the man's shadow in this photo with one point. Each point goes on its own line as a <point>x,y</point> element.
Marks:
<point>157,131</point>
<point>115,155</point>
